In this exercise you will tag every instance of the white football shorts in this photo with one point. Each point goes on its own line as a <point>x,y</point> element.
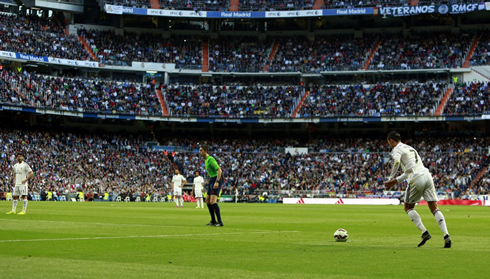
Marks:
<point>198,193</point>
<point>20,190</point>
<point>177,191</point>
<point>420,185</point>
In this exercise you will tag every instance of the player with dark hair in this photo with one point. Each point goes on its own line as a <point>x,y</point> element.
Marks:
<point>214,185</point>
<point>420,184</point>
<point>22,174</point>
<point>178,182</point>
<point>197,188</point>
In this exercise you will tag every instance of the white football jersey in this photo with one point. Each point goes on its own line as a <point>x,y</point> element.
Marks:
<point>198,182</point>
<point>21,172</point>
<point>177,180</point>
<point>407,158</point>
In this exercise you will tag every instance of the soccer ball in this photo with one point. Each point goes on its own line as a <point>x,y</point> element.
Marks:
<point>341,235</point>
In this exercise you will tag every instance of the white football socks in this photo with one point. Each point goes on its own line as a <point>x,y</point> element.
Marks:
<point>24,206</point>
<point>441,221</point>
<point>416,220</point>
<point>14,205</point>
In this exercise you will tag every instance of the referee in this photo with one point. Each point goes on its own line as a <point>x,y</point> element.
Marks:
<point>214,186</point>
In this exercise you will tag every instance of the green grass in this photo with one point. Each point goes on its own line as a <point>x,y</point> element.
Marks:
<point>144,240</point>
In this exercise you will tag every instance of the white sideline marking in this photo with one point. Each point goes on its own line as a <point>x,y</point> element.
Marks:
<point>133,236</point>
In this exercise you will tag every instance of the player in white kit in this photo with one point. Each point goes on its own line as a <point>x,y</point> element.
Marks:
<point>197,188</point>
<point>22,174</point>
<point>178,182</point>
<point>420,184</point>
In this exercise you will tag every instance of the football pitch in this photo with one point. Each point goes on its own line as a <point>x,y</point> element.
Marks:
<point>157,240</point>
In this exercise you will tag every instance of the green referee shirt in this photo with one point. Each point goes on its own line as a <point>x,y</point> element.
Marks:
<point>211,166</point>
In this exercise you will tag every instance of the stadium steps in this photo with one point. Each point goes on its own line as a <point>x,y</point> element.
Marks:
<point>234,5</point>
<point>205,57</point>
<point>298,107</point>
<point>371,55</point>
<point>87,48</point>
<point>445,98</point>
<point>23,97</point>
<point>155,4</point>
<point>478,177</point>
<point>414,2</point>
<point>274,49</point>
<point>318,4</point>
<point>163,104</point>
<point>466,63</point>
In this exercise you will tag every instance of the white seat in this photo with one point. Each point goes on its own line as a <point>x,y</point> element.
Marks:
<point>118,199</point>
<point>127,199</point>
<point>162,199</point>
<point>62,198</point>
<point>36,197</point>
<point>138,199</point>
<point>155,199</point>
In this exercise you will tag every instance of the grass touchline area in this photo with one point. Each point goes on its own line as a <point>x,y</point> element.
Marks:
<point>134,240</point>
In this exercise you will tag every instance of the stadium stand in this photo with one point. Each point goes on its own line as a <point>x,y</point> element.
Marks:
<point>127,168</point>
<point>122,49</point>
<point>123,166</point>
<point>79,94</point>
<point>40,37</point>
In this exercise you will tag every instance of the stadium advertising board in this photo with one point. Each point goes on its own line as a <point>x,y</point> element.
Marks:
<point>113,9</point>
<point>352,11</point>
<point>31,57</point>
<point>340,201</point>
<point>283,14</point>
<point>7,54</point>
<point>60,61</point>
<point>296,150</point>
<point>235,120</point>
<point>148,66</point>
<point>431,9</point>
<point>76,63</point>
<point>185,14</point>
<point>383,201</point>
<point>389,11</point>
<point>235,14</point>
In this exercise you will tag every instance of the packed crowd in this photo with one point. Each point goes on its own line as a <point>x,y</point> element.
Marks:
<point>335,166</point>
<point>65,163</point>
<point>78,94</point>
<point>417,99</point>
<point>122,166</point>
<point>421,51</point>
<point>196,5</point>
<point>40,37</point>
<point>468,99</point>
<point>481,55</point>
<point>238,54</point>
<point>327,53</point>
<point>232,101</point>
<point>269,101</point>
<point>275,5</point>
<point>122,49</point>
